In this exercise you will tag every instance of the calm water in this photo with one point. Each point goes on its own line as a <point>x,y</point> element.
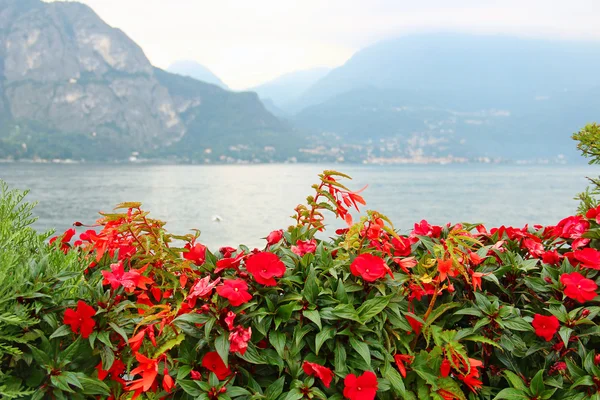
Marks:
<point>253,200</point>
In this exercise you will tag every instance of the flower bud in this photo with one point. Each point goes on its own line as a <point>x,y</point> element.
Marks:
<point>195,375</point>
<point>275,237</point>
<point>585,312</point>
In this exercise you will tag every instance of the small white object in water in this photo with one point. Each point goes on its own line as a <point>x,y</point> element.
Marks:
<point>216,218</point>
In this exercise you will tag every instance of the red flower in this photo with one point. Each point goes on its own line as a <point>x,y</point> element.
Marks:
<point>168,383</point>
<point>571,227</point>
<point>534,246</point>
<point>406,263</point>
<point>227,251</point>
<point>593,213</point>
<point>545,326</point>
<point>414,324</point>
<point>445,368</point>
<point>578,287</point>
<point>115,371</point>
<point>235,290</point>
<point>201,288</point>
<point>476,279</point>
<point>129,280</point>
<point>445,269</point>
<point>589,258</point>
<point>363,387</point>
<point>557,367</point>
<point>148,369</point>
<point>229,318</point>
<point>65,238</point>
<point>423,228</point>
<point>81,319</point>
<point>401,246</point>
<point>323,373</point>
<point>227,263</point>
<point>551,257</point>
<point>264,267</point>
<point>274,237</point>
<point>303,247</point>
<point>196,254</point>
<point>239,338</point>
<point>214,363</point>
<point>475,259</point>
<point>472,378</point>
<point>369,267</point>
<point>400,360</point>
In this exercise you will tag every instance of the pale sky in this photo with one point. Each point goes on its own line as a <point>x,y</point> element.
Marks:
<point>247,42</point>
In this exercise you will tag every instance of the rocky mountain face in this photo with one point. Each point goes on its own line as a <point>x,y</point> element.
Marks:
<point>72,86</point>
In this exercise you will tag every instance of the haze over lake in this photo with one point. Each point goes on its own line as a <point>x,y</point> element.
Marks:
<point>252,200</point>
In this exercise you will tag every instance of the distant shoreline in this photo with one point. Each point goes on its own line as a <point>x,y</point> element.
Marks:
<point>382,162</point>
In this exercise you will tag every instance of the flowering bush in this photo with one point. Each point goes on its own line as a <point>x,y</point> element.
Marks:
<point>446,312</point>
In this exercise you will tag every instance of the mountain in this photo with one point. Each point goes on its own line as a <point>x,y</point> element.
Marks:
<point>287,88</point>
<point>467,95</point>
<point>73,87</point>
<point>197,71</point>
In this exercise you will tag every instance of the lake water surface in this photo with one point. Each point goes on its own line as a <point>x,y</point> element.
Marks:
<point>252,200</point>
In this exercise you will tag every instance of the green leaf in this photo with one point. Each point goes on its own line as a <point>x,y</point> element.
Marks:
<point>168,345</point>
<point>339,360</point>
<point>537,383</point>
<point>192,318</point>
<point>72,379</point>
<point>511,394</point>
<point>340,292</point>
<point>437,313</point>
<point>277,340</point>
<point>323,336</point>
<point>294,394</point>
<point>285,312</point>
<point>583,381</point>
<point>396,381</point>
<point>311,289</point>
<point>59,381</point>
<point>346,311</point>
<point>314,317</point>
<point>237,391</point>
<point>517,324</point>
<point>119,330</point>
<point>67,355</point>
<point>372,307</point>
<point>62,330</point>
<point>362,349</point>
<point>515,381</point>
<point>40,356</point>
<point>183,371</point>
<point>104,337</point>
<point>469,311</point>
<point>275,389</point>
<point>189,387</point>
<point>565,334</point>
<point>482,339</point>
<point>107,356</point>
<point>222,347</point>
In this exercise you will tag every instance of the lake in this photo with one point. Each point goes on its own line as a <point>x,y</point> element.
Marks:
<point>252,200</point>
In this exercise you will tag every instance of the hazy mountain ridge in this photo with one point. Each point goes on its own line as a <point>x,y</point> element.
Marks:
<point>74,87</point>
<point>473,95</point>
<point>197,71</point>
<point>287,88</point>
